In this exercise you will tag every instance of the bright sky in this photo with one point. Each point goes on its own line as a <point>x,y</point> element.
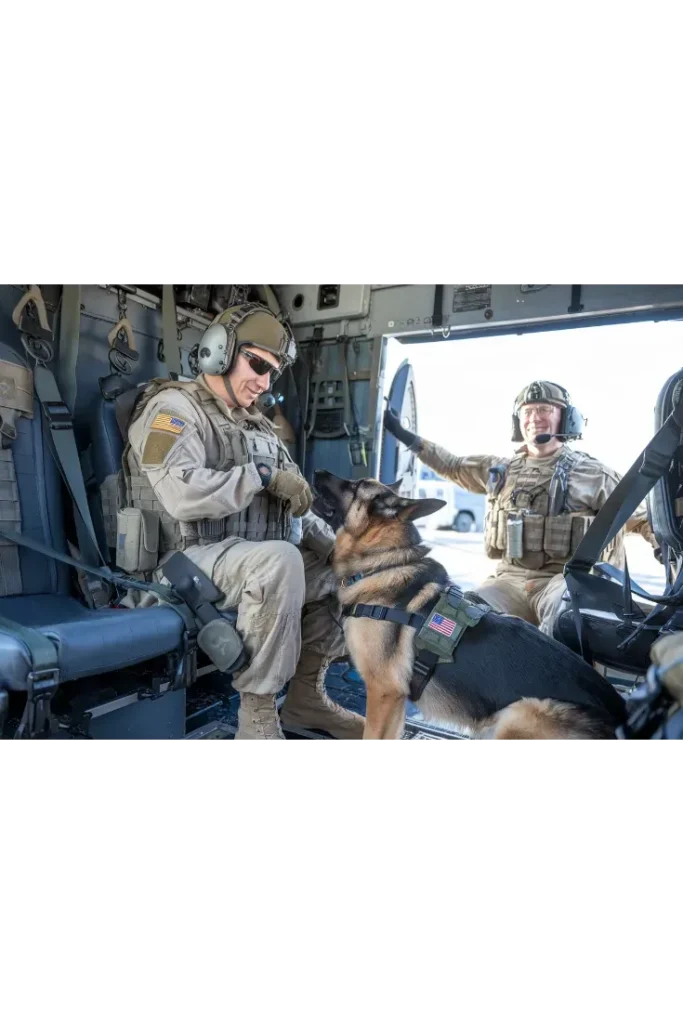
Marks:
<point>466,389</point>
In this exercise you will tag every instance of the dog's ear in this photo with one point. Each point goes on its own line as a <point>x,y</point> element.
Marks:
<point>396,486</point>
<point>418,508</point>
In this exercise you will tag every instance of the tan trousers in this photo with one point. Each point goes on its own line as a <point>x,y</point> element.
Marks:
<point>535,599</point>
<point>273,584</point>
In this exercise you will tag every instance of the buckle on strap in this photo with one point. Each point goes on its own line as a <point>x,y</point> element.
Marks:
<point>423,668</point>
<point>425,661</point>
<point>366,611</point>
<point>577,565</point>
<point>37,718</point>
<point>654,464</point>
<point>455,596</point>
<point>46,679</point>
<point>58,415</point>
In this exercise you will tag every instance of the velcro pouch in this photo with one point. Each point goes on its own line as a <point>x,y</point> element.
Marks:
<point>444,627</point>
<point>580,527</point>
<point>137,539</point>
<point>534,526</point>
<point>558,533</point>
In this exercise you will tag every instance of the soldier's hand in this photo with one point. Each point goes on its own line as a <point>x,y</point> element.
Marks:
<point>291,487</point>
<point>393,425</point>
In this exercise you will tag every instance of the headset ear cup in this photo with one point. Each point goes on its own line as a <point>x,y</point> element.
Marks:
<point>516,429</point>
<point>572,423</point>
<point>215,350</point>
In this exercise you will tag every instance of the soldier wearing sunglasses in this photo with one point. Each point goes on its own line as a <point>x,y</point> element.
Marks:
<point>227,492</point>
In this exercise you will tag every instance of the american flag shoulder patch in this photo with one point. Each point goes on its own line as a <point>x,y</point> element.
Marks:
<point>441,624</point>
<point>165,421</point>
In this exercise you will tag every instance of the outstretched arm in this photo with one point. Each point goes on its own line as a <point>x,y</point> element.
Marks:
<point>469,471</point>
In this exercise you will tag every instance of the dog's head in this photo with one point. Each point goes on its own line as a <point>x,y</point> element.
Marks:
<point>366,508</point>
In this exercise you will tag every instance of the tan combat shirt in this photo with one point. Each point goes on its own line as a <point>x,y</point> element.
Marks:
<point>590,483</point>
<point>176,461</point>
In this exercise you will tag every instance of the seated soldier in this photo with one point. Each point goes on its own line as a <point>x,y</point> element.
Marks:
<point>540,502</point>
<point>210,462</point>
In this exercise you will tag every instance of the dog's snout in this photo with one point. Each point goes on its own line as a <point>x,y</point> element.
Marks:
<point>327,483</point>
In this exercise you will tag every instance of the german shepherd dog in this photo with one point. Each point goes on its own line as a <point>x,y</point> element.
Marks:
<point>507,680</point>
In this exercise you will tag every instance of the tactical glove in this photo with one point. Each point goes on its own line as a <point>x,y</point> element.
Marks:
<point>393,425</point>
<point>291,487</point>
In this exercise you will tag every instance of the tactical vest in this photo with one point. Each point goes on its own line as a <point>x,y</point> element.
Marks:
<point>248,438</point>
<point>534,529</point>
<point>16,399</point>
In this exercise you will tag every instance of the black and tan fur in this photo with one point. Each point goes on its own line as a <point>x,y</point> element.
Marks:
<point>502,665</point>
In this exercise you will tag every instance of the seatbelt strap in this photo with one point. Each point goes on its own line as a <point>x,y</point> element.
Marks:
<point>166,595</point>
<point>58,427</point>
<point>652,463</point>
<point>61,434</point>
<point>606,569</point>
<point>103,572</point>
<point>670,602</point>
<point>124,404</point>
<point>58,424</point>
<point>44,655</point>
<point>169,330</point>
<point>69,338</point>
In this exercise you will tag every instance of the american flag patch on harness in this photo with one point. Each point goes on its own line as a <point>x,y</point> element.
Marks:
<point>440,624</point>
<point>164,421</point>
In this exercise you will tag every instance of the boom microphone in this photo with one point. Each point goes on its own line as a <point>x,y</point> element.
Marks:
<point>544,438</point>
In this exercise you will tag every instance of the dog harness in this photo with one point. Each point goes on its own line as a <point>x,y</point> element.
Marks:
<point>438,632</point>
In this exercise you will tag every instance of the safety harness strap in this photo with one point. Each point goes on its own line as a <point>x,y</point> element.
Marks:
<point>58,426</point>
<point>69,339</point>
<point>169,327</point>
<point>103,572</point>
<point>652,464</point>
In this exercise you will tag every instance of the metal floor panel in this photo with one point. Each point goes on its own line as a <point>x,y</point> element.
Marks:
<point>214,714</point>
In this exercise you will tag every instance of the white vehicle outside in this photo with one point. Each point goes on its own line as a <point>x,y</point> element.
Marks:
<point>463,511</point>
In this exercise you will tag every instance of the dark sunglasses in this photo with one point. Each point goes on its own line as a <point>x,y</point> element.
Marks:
<point>262,366</point>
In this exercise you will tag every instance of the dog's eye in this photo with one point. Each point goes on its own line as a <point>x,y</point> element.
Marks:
<point>381,507</point>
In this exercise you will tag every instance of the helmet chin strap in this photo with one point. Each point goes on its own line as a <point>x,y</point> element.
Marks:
<point>228,388</point>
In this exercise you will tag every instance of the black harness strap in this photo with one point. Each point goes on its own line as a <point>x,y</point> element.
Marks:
<point>381,612</point>
<point>425,660</point>
<point>423,670</point>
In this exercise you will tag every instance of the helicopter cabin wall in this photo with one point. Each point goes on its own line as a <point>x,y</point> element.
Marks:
<point>101,310</point>
<point>341,376</point>
<point>335,392</point>
<point>427,313</point>
<point>434,312</point>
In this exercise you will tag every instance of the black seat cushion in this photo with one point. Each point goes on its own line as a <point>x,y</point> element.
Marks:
<point>89,642</point>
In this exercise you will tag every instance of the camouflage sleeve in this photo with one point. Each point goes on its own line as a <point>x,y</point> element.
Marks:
<point>638,523</point>
<point>317,536</point>
<point>169,445</point>
<point>468,471</point>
